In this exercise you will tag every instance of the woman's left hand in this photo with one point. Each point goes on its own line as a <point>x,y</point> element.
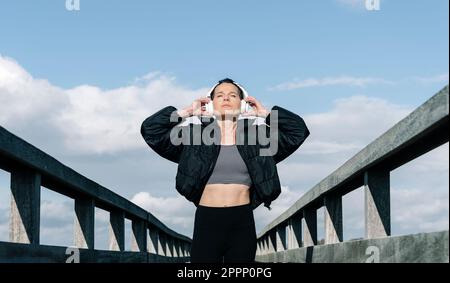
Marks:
<point>258,109</point>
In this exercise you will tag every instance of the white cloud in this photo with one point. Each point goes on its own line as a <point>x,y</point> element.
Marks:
<point>442,78</point>
<point>286,199</point>
<point>87,118</point>
<point>353,214</point>
<point>57,210</point>
<point>330,81</point>
<point>305,173</point>
<point>26,98</point>
<point>351,124</point>
<point>351,81</point>
<point>327,147</point>
<point>434,161</point>
<point>101,216</point>
<point>416,210</point>
<point>419,193</point>
<point>173,211</point>
<point>60,235</point>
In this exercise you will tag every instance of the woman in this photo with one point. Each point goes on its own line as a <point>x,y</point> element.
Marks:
<point>229,177</point>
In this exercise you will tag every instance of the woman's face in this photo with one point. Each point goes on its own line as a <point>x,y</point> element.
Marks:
<point>226,99</point>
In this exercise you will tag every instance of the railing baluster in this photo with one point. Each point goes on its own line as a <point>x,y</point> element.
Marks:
<point>258,247</point>
<point>169,246</point>
<point>272,241</point>
<point>162,246</point>
<point>333,219</point>
<point>25,206</point>
<point>269,246</point>
<point>153,240</point>
<point>263,245</point>
<point>117,231</point>
<point>181,247</point>
<point>84,223</point>
<point>177,245</point>
<point>377,203</point>
<point>139,235</point>
<point>187,249</point>
<point>176,248</point>
<point>281,237</point>
<point>310,228</point>
<point>295,232</point>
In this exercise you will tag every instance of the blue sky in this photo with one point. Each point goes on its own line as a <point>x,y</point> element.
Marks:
<point>78,84</point>
<point>258,43</point>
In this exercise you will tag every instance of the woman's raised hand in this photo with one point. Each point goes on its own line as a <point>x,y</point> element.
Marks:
<point>258,108</point>
<point>197,108</point>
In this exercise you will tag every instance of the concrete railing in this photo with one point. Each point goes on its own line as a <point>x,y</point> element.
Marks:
<point>31,168</point>
<point>288,239</point>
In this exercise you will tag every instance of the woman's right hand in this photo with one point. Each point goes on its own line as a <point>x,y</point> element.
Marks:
<point>197,108</point>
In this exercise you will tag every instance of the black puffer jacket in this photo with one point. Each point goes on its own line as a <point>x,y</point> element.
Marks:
<point>196,161</point>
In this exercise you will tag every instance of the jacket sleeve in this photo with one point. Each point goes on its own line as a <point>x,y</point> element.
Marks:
<point>292,132</point>
<point>156,131</point>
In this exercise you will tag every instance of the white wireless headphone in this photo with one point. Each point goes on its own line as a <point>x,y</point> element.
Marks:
<point>245,106</point>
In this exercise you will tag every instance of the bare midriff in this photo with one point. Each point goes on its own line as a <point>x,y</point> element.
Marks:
<point>225,195</point>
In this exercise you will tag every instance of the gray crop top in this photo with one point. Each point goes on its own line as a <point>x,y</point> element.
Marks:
<point>230,168</point>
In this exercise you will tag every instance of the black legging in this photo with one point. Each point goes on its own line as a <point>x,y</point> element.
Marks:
<point>224,234</point>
